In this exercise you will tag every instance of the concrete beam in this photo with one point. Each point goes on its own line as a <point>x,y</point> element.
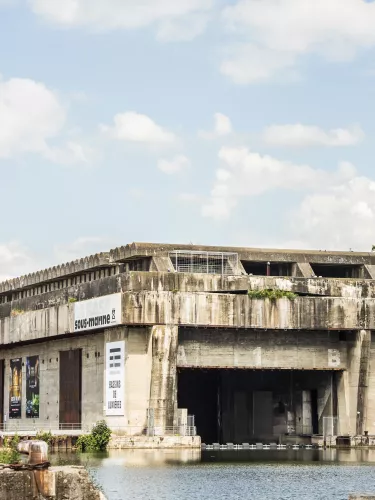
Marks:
<point>239,311</point>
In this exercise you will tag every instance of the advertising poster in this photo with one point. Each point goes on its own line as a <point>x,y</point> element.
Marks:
<point>32,387</point>
<point>15,388</point>
<point>115,375</point>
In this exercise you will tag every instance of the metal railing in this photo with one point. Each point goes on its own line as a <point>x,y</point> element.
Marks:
<point>56,428</point>
<point>177,430</point>
<point>35,427</point>
<point>191,261</point>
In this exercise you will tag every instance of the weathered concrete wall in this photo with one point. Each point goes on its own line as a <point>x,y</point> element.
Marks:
<point>186,282</point>
<point>262,350</point>
<point>189,282</point>
<point>57,483</point>
<point>163,376</point>
<point>138,367</point>
<point>239,311</point>
<point>203,309</point>
<point>160,442</point>
<point>356,386</point>
<point>138,362</point>
<point>49,357</point>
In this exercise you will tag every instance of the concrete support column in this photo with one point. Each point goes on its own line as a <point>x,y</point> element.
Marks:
<point>352,385</point>
<point>163,391</point>
<point>363,381</point>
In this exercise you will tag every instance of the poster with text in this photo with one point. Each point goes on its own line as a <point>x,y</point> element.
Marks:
<point>32,387</point>
<point>15,388</point>
<point>115,377</point>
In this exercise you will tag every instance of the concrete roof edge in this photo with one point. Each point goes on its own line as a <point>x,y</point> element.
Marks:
<point>144,249</point>
<point>56,272</point>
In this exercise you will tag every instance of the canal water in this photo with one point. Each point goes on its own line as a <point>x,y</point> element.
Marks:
<point>259,474</point>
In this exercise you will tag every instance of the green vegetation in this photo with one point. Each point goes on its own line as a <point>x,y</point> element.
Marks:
<point>71,300</point>
<point>271,294</point>
<point>9,454</point>
<point>44,436</point>
<point>97,440</point>
<point>16,312</point>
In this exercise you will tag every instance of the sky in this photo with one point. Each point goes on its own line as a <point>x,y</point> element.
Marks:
<point>217,122</point>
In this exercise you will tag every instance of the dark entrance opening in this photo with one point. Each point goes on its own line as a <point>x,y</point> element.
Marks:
<point>337,270</point>
<point>70,389</point>
<point>275,268</point>
<point>2,371</point>
<point>249,406</point>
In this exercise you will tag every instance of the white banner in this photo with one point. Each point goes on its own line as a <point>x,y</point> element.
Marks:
<point>95,313</point>
<point>115,378</point>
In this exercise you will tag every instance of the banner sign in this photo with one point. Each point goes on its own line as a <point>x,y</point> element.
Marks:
<point>32,387</point>
<point>115,378</point>
<point>95,313</point>
<point>15,388</point>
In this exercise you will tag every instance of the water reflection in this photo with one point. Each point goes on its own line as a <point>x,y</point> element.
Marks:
<point>330,474</point>
<point>290,455</point>
<point>147,458</point>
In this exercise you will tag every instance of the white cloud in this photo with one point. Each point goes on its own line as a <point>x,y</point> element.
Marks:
<point>183,29</point>
<point>271,35</point>
<point>70,154</point>
<point>245,173</point>
<point>298,135</point>
<point>222,127</point>
<point>188,197</point>
<point>338,217</point>
<point>135,127</point>
<point>175,165</point>
<point>77,249</point>
<point>30,116</point>
<point>246,63</point>
<point>181,20</point>
<point>15,260</point>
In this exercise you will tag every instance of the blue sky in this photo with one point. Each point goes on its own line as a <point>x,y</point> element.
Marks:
<point>214,122</point>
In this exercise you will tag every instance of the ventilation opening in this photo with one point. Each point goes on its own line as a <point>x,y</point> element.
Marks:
<point>265,269</point>
<point>204,262</point>
<point>337,270</point>
<point>138,264</point>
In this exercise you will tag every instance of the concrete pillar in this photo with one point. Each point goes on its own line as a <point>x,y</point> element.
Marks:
<point>352,385</point>
<point>164,374</point>
<point>363,379</point>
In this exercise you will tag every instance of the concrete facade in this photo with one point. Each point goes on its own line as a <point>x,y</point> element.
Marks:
<point>199,337</point>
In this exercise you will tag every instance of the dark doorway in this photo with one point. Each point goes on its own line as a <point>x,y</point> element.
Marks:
<point>198,391</point>
<point>70,389</point>
<point>2,367</point>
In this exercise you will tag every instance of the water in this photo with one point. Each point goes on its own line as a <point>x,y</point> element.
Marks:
<point>258,475</point>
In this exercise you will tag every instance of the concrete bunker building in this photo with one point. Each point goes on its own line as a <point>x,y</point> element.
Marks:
<point>147,333</point>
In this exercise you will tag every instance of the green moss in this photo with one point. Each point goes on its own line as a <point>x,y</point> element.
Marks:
<point>271,294</point>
